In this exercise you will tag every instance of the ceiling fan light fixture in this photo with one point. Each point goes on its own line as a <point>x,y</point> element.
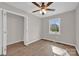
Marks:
<point>43,11</point>
<point>43,7</point>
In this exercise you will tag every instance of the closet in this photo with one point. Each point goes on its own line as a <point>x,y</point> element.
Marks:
<point>13,29</point>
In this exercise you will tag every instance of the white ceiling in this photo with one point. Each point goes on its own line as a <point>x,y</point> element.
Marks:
<point>59,6</point>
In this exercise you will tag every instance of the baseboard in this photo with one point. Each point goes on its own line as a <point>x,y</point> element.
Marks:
<point>31,42</point>
<point>14,42</point>
<point>60,42</point>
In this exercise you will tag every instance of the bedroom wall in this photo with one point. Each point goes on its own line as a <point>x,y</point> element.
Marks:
<point>33,22</point>
<point>34,29</point>
<point>67,28</point>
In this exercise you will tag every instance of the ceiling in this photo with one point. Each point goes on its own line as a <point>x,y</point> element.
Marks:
<point>60,7</point>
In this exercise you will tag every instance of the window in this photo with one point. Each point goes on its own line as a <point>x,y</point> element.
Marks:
<point>54,26</point>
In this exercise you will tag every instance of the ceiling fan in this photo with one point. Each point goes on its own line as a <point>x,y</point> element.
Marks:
<point>43,8</point>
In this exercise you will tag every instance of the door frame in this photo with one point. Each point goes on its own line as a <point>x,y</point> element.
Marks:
<point>5,29</point>
<point>1,32</point>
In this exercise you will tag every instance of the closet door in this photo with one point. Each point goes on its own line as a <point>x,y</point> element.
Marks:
<point>4,32</point>
<point>0,31</point>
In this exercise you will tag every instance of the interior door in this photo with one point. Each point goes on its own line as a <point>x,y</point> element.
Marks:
<point>0,31</point>
<point>4,32</point>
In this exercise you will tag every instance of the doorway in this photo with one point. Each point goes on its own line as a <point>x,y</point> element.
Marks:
<point>14,29</point>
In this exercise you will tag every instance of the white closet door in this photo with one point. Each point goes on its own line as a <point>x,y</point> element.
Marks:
<point>4,32</point>
<point>0,31</point>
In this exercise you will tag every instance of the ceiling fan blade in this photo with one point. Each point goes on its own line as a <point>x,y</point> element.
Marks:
<point>36,4</point>
<point>49,3</point>
<point>35,11</point>
<point>50,9</point>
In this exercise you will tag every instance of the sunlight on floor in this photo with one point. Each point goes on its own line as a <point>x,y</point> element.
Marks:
<point>59,51</point>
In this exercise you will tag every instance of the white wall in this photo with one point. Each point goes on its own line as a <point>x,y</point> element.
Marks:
<point>77,28</point>
<point>34,29</point>
<point>33,25</point>
<point>15,28</point>
<point>67,28</point>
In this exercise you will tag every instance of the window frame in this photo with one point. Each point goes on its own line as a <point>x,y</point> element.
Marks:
<point>59,27</point>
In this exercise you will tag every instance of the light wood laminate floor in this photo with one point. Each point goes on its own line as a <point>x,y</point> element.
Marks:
<point>39,48</point>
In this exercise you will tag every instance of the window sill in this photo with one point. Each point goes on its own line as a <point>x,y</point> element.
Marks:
<point>58,33</point>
